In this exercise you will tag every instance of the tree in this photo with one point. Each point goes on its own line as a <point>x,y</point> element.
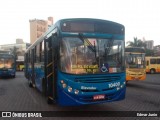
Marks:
<point>137,43</point>
<point>14,51</point>
<point>149,52</point>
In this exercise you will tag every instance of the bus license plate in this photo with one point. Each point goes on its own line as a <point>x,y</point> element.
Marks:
<point>98,97</point>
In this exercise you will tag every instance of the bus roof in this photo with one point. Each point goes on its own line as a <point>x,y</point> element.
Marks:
<point>100,24</point>
<point>6,55</point>
<point>152,56</point>
<point>135,49</point>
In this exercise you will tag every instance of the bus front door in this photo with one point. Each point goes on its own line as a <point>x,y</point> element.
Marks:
<point>50,70</point>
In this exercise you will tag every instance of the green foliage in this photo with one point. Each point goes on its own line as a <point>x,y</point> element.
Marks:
<point>14,51</point>
<point>136,43</point>
<point>139,43</point>
<point>149,52</point>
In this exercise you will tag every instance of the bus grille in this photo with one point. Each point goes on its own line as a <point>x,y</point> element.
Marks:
<point>97,79</point>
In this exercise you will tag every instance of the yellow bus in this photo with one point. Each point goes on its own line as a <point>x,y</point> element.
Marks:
<point>152,64</point>
<point>135,63</point>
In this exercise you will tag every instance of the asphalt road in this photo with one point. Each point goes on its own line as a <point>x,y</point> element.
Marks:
<point>15,95</point>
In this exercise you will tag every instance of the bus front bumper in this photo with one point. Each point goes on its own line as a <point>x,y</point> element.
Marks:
<point>6,73</point>
<point>64,99</point>
<point>130,78</point>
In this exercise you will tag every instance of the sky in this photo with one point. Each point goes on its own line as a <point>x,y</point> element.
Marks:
<point>141,18</point>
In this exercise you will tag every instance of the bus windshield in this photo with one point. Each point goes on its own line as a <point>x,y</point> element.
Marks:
<point>6,63</point>
<point>135,60</point>
<point>91,55</point>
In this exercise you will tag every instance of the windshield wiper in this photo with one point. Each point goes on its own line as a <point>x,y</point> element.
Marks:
<point>109,46</point>
<point>87,43</point>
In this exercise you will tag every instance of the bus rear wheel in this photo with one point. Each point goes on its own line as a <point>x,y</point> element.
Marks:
<point>30,83</point>
<point>152,71</point>
<point>49,100</point>
<point>44,89</point>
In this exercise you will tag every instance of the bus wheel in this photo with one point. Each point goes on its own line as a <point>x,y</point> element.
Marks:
<point>44,87</point>
<point>30,83</point>
<point>13,76</point>
<point>152,71</point>
<point>49,100</point>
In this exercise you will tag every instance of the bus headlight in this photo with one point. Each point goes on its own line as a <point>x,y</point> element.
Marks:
<point>62,81</point>
<point>124,83</point>
<point>76,91</point>
<point>118,88</point>
<point>64,85</point>
<point>69,89</point>
<point>127,73</point>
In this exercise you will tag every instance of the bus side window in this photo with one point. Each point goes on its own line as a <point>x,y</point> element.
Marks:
<point>147,62</point>
<point>158,61</point>
<point>153,61</point>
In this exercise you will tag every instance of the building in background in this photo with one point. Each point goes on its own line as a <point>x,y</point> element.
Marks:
<point>19,41</point>
<point>50,22</point>
<point>19,47</point>
<point>157,50</point>
<point>38,28</point>
<point>149,44</point>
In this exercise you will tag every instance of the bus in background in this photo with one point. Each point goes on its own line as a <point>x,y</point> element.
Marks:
<point>135,63</point>
<point>152,64</point>
<point>78,62</point>
<point>7,65</point>
<point>19,66</point>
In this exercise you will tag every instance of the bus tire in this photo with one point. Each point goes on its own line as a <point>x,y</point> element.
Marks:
<point>49,101</point>
<point>13,76</point>
<point>30,83</point>
<point>44,90</point>
<point>152,71</point>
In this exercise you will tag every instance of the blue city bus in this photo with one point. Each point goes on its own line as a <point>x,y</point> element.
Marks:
<point>7,65</point>
<point>78,61</point>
